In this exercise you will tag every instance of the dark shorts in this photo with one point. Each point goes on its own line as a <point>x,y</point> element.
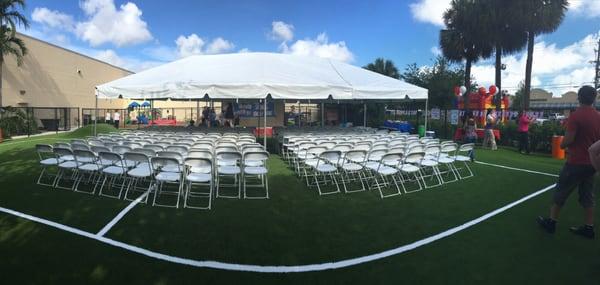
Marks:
<point>580,176</point>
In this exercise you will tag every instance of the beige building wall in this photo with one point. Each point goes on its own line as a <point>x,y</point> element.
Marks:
<point>51,76</point>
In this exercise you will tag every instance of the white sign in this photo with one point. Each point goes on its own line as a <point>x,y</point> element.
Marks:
<point>454,117</point>
<point>435,114</point>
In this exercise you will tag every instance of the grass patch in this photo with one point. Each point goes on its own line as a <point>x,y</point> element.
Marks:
<point>296,226</point>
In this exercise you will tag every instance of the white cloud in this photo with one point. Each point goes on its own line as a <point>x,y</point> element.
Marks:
<point>554,68</point>
<point>189,45</point>
<point>430,11</point>
<point>281,31</point>
<point>107,24</point>
<point>110,56</point>
<point>435,50</point>
<point>244,50</point>
<point>53,19</point>
<point>586,8</point>
<point>219,45</point>
<point>320,47</point>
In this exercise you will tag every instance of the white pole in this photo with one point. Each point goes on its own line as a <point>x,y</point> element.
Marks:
<point>322,114</point>
<point>426,106</point>
<point>96,113</point>
<point>364,114</point>
<point>265,126</point>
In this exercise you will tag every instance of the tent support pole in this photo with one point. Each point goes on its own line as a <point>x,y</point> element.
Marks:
<point>96,114</point>
<point>364,114</point>
<point>426,106</point>
<point>197,110</point>
<point>322,114</point>
<point>265,126</point>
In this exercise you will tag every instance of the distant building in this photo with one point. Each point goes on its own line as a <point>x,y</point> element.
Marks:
<point>541,99</point>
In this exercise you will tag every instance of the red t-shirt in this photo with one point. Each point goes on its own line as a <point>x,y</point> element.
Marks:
<point>585,122</point>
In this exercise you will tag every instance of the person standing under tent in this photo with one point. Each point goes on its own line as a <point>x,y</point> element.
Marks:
<point>581,137</point>
<point>116,118</point>
<point>212,118</point>
<point>523,121</point>
<point>229,115</point>
<point>488,138</point>
<point>205,116</point>
<point>107,117</point>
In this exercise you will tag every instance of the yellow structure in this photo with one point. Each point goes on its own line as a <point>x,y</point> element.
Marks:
<point>52,76</point>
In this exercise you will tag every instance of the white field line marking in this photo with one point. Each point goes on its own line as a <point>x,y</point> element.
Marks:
<point>277,268</point>
<point>518,169</point>
<point>118,217</point>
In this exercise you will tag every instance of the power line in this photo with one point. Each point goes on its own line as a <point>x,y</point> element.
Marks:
<point>597,62</point>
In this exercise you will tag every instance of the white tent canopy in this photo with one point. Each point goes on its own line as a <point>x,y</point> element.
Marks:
<point>256,76</point>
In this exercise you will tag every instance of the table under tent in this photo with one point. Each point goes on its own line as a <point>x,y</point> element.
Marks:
<point>262,78</point>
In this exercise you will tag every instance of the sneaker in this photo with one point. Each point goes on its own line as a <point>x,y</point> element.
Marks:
<point>547,224</point>
<point>584,231</point>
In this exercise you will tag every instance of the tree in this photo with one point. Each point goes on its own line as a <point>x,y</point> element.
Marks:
<point>10,45</point>
<point>517,100</point>
<point>463,39</point>
<point>440,79</point>
<point>503,33</point>
<point>383,66</point>
<point>537,17</point>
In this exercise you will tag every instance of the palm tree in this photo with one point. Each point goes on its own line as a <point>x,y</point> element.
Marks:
<point>504,34</point>
<point>383,66</point>
<point>462,40</point>
<point>10,18</point>
<point>538,17</point>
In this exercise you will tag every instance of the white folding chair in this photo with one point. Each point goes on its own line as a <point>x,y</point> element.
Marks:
<point>67,165</point>
<point>88,170</point>
<point>353,169</point>
<point>228,165</point>
<point>141,173</point>
<point>48,160</point>
<point>199,171</point>
<point>252,169</point>
<point>115,171</point>
<point>162,178</point>
<point>325,171</point>
<point>463,156</point>
<point>411,167</point>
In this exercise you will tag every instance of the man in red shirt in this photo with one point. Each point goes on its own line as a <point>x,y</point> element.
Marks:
<point>583,130</point>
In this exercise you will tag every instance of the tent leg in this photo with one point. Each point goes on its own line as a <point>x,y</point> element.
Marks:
<point>322,114</point>
<point>426,111</point>
<point>265,126</point>
<point>96,114</point>
<point>364,114</point>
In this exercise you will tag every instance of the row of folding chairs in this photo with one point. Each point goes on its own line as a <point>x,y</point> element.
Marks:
<point>425,163</point>
<point>121,168</point>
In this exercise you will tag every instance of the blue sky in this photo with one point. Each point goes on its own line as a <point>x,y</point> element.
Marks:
<point>140,34</point>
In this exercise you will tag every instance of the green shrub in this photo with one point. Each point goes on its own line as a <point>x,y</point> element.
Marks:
<point>540,136</point>
<point>16,122</point>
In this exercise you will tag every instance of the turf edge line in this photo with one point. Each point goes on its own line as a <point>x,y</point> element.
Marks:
<point>276,268</point>
<point>119,216</point>
<point>519,169</point>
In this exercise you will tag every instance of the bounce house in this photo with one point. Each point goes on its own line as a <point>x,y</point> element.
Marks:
<point>480,101</point>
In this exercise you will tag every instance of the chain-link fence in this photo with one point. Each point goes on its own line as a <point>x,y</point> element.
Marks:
<point>18,121</point>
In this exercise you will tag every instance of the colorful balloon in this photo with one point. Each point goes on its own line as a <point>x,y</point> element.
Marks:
<point>457,90</point>
<point>482,91</point>
<point>493,90</point>
<point>463,90</point>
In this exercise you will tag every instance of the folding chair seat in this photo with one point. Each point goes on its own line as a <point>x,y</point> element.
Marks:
<point>411,166</point>
<point>447,158</point>
<point>141,173</point>
<point>254,165</point>
<point>167,177</point>
<point>67,165</point>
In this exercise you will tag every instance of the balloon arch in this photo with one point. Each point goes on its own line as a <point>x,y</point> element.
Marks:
<point>481,100</point>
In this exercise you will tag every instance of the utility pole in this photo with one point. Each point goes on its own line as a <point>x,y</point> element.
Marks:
<point>597,62</point>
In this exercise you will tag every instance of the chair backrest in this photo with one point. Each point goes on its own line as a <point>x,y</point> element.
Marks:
<point>229,155</point>
<point>147,151</point>
<point>357,156</point>
<point>200,162</point>
<point>342,147</point>
<point>316,150</point>
<point>362,146</point>
<point>79,146</point>
<point>255,156</point>
<point>136,157</point>
<point>414,157</point>
<point>154,147</point>
<point>114,158</point>
<point>95,142</point>
<point>327,144</point>
<point>170,154</point>
<point>449,148</point>
<point>466,147</point>
<point>62,151</point>
<point>333,156</point>
<point>44,151</point>
<point>159,162</point>
<point>84,155</point>
<point>433,149</point>
<point>377,153</point>
<point>392,158</point>
<point>79,141</point>
<point>98,149</point>
<point>253,148</point>
<point>415,148</point>
<point>201,153</point>
<point>177,148</point>
<point>205,145</point>
<point>121,149</point>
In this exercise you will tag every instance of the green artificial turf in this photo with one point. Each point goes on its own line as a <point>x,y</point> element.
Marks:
<point>297,226</point>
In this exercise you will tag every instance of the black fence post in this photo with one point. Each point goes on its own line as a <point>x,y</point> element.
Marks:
<point>78,117</point>
<point>56,119</point>
<point>28,122</point>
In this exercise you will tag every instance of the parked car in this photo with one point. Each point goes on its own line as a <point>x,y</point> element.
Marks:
<point>556,116</point>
